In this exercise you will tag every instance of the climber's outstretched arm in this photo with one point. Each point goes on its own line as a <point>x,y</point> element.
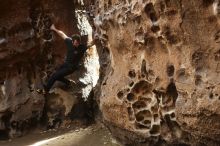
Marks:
<point>90,44</point>
<point>59,32</point>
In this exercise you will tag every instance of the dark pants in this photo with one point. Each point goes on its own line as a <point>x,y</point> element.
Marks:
<point>59,75</point>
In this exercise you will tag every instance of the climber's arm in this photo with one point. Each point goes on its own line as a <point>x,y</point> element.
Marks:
<point>90,44</point>
<point>59,32</point>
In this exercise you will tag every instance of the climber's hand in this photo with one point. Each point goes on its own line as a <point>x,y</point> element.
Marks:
<point>52,27</point>
<point>96,37</point>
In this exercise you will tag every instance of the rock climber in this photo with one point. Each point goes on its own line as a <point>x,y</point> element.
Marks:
<point>75,53</point>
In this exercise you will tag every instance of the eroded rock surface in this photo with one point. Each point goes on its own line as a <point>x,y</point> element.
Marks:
<point>29,53</point>
<point>162,84</point>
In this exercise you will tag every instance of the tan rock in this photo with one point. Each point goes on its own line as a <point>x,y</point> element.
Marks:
<point>161,84</point>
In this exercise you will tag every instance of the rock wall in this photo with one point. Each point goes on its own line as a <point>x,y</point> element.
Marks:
<point>29,53</point>
<point>160,83</point>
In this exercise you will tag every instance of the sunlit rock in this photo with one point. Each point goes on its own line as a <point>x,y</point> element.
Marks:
<point>161,85</point>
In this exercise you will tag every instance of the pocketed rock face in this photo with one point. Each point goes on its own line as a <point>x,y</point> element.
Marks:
<point>163,87</point>
<point>27,57</point>
<point>20,106</point>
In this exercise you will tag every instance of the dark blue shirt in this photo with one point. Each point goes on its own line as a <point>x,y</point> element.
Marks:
<point>74,54</point>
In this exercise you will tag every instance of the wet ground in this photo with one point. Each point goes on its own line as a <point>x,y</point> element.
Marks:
<point>94,135</point>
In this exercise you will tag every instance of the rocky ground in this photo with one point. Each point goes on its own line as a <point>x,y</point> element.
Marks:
<point>93,135</point>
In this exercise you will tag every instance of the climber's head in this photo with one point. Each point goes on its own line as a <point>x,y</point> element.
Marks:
<point>76,40</point>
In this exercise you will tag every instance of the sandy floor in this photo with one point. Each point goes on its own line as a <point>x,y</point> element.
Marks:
<point>94,135</point>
